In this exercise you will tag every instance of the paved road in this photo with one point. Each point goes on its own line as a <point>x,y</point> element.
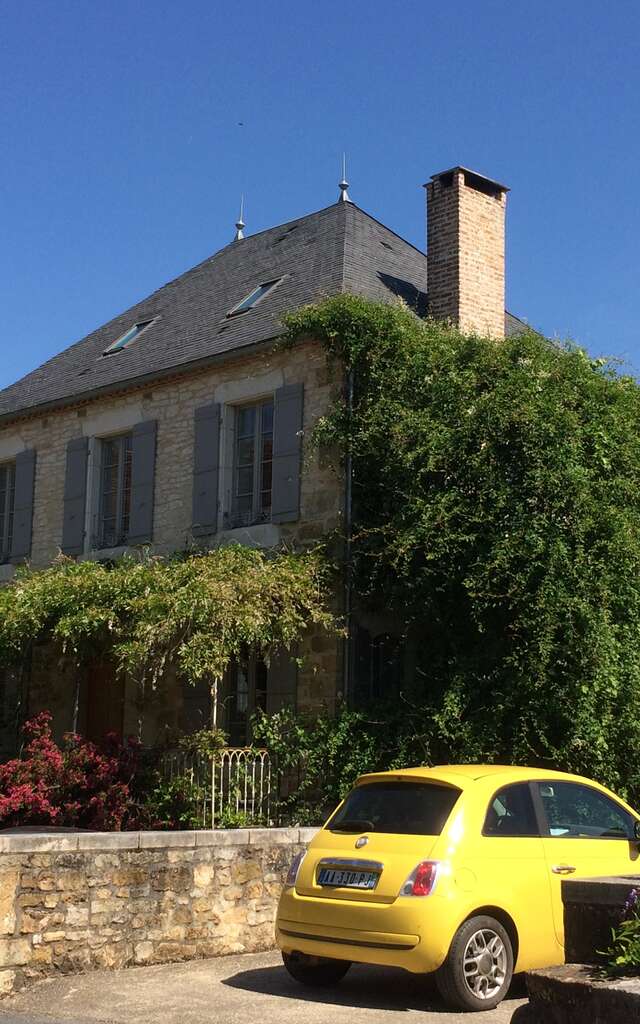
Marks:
<point>239,990</point>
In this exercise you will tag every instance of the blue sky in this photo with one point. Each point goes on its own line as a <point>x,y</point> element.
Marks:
<point>129,130</point>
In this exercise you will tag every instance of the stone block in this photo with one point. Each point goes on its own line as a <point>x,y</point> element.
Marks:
<point>175,879</point>
<point>8,888</point>
<point>203,875</point>
<point>143,952</point>
<point>223,837</point>
<point>273,836</point>
<point>77,916</point>
<point>7,982</point>
<point>166,840</point>
<point>14,952</point>
<point>307,834</point>
<point>245,870</point>
<point>108,841</point>
<point>37,842</point>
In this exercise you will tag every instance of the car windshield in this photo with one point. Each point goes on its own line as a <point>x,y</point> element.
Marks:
<point>402,808</point>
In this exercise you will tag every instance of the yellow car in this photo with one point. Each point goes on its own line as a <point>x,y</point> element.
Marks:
<point>454,870</point>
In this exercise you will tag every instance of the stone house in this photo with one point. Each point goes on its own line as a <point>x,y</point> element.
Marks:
<point>180,423</point>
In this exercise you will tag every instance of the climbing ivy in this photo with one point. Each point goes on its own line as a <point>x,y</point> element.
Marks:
<point>496,498</point>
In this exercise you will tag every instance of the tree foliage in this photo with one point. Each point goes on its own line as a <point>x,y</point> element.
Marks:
<point>195,612</point>
<point>497,513</point>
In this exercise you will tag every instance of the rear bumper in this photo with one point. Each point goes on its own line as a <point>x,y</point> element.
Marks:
<point>411,933</point>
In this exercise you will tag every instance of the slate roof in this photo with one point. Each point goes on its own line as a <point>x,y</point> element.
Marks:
<point>338,249</point>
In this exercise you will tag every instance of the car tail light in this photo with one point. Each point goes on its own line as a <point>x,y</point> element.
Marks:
<point>292,873</point>
<point>422,880</point>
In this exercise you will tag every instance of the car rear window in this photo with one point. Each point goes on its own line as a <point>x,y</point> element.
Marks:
<point>402,808</point>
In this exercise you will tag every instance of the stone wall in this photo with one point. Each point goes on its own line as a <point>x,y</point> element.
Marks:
<point>78,902</point>
<point>172,404</point>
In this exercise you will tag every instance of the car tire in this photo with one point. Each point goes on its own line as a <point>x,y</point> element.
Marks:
<point>318,971</point>
<point>477,972</point>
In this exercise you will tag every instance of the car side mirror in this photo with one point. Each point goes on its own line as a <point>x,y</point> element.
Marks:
<point>636,831</point>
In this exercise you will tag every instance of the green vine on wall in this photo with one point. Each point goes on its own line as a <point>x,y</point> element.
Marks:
<point>496,497</point>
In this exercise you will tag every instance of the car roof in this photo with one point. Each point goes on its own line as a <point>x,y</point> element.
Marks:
<point>465,774</point>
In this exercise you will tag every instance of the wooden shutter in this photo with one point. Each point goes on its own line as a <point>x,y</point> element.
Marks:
<point>143,472</point>
<point>282,681</point>
<point>206,469</point>
<point>75,496</point>
<point>23,505</point>
<point>287,450</point>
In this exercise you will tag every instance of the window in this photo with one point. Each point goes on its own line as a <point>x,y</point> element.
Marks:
<point>511,813</point>
<point>246,693</point>
<point>115,491</point>
<point>377,666</point>
<point>252,464</point>
<point>128,337</point>
<point>254,297</point>
<point>575,811</point>
<point>7,502</point>
<point>397,808</point>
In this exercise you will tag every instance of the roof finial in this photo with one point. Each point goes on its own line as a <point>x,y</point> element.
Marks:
<point>344,184</point>
<point>240,223</point>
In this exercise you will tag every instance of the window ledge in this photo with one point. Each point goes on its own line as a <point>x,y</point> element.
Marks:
<point>106,554</point>
<point>260,535</point>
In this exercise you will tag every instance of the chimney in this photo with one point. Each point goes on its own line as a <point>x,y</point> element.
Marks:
<point>465,250</point>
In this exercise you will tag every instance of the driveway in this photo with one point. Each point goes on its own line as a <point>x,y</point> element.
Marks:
<point>239,990</point>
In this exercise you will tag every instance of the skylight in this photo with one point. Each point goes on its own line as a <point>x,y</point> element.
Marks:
<point>128,337</point>
<point>254,297</point>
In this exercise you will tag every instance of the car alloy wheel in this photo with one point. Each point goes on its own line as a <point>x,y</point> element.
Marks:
<point>477,971</point>
<point>485,964</point>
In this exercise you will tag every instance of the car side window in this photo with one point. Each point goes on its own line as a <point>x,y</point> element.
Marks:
<point>575,811</point>
<point>511,813</point>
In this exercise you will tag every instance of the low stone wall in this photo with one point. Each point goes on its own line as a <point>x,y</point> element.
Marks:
<point>77,902</point>
<point>592,907</point>
<point>573,994</point>
<point>578,992</point>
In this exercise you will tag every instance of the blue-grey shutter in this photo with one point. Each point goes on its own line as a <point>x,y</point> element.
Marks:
<point>75,496</point>
<point>206,469</point>
<point>23,505</point>
<point>282,681</point>
<point>287,451</point>
<point>143,474</point>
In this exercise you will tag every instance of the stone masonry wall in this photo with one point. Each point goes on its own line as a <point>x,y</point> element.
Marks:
<point>80,902</point>
<point>172,404</point>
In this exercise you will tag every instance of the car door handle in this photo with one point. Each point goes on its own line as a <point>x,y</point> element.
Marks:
<point>563,869</point>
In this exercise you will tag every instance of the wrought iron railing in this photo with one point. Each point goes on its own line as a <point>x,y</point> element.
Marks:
<point>236,785</point>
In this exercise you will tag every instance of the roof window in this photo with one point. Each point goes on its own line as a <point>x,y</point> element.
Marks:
<point>128,337</point>
<point>254,297</point>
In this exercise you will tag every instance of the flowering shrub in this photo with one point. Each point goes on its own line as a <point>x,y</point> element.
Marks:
<point>77,784</point>
<point>623,955</point>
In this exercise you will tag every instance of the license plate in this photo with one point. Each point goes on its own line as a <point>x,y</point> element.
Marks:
<point>348,879</point>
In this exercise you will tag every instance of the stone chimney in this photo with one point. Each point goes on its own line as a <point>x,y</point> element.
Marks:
<point>465,250</point>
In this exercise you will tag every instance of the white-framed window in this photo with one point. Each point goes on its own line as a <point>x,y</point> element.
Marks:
<point>247,680</point>
<point>114,491</point>
<point>7,503</point>
<point>252,463</point>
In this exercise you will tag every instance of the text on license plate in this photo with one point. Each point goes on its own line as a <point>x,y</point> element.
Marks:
<point>348,879</point>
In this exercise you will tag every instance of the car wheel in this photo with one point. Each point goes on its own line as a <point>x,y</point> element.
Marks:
<point>477,972</point>
<point>315,970</point>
